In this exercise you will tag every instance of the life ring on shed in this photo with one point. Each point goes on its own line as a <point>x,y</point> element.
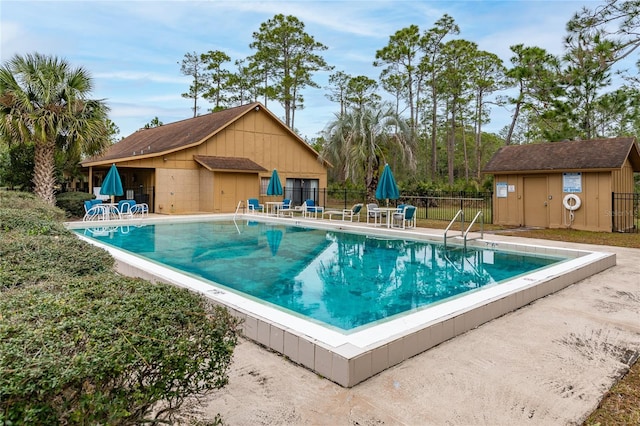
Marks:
<point>567,202</point>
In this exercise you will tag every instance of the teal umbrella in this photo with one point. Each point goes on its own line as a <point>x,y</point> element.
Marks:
<point>275,187</point>
<point>387,188</point>
<point>112,184</point>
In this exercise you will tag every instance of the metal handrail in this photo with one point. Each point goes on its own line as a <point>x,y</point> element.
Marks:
<point>479,214</point>
<point>461,214</point>
<point>240,204</point>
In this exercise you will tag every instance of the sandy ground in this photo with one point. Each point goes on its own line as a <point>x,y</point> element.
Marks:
<point>548,363</point>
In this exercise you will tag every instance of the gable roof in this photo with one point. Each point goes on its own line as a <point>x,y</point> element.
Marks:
<point>603,154</point>
<point>172,137</point>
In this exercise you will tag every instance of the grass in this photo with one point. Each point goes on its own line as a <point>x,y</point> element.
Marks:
<point>621,404</point>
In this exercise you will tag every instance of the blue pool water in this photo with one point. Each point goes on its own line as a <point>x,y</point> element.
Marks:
<point>340,279</point>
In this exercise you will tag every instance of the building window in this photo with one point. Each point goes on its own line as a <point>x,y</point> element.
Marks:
<point>264,184</point>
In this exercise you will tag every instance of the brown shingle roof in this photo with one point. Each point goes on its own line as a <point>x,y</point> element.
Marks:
<point>170,137</point>
<point>229,163</point>
<point>592,154</point>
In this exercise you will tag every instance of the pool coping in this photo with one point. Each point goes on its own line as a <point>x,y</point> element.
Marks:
<point>350,358</point>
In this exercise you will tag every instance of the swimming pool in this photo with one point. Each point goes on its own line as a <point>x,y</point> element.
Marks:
<point>340,279</point>
<point>348,357</point>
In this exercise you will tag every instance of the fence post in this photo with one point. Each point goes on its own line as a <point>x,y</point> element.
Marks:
<point>613,212</point>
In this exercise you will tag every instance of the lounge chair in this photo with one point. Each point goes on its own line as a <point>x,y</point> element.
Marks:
<point>404,219</point>
<point>345,213</point>
<point>254,205</point>
<point>311,208</point>
<point>374,213</point>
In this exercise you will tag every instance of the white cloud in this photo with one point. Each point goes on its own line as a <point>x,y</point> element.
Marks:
<point>142,76</point>
<point>133,47</point>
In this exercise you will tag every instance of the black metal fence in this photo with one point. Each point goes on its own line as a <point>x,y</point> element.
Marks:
<point>624,212</point>
<point>436,205</point>
<point>141,194</point>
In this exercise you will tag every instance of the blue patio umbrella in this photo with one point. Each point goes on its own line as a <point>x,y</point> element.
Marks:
<point>387,188</point>
<point>275,187</point>
<point>112,184</point>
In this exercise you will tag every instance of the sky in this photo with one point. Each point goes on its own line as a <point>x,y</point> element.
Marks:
<point>133,48</point>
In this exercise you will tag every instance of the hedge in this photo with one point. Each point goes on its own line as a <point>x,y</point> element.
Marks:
<point>80,344</point>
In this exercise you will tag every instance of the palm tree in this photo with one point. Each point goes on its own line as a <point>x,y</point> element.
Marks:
<point>359,141</point>
<point>43,100</point>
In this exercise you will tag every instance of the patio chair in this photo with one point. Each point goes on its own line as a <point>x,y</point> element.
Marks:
<point>404,219</point>
<point>131,209</point>
<point>93,210</point>
<point>345,213</point>
<point>374,213</point>
<point>289,210</point>
<point>125,208</point>
<point>286,204</point>
<point>141,209</point>
<point>311,208</point>
<point>254,205</point>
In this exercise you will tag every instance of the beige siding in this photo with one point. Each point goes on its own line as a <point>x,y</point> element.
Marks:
<point>206,190</point>
<point>508,211</point>
<point>556,209</point>
<point>593,215</point>
<point>231,188</point>
<point>177,191</point>
<point>622,180</point>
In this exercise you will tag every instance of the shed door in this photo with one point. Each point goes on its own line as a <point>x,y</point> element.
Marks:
<point>535,201</point>
<point>233,187</point>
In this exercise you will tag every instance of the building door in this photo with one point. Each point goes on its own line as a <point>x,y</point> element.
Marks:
<point>536,211</point>
<point>300,190</point>
<point>230,188</point>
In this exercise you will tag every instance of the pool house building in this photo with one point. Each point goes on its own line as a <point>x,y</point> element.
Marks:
<point>207,164</point>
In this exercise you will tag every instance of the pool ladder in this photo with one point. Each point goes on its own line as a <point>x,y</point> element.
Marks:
<point>464,233</point>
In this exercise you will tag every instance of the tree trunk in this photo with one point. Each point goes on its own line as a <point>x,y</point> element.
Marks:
<point>478,138</point>
<point>434,140</point>
<point>512,126</point>
<point>44,171</point>
<point>465,150</point>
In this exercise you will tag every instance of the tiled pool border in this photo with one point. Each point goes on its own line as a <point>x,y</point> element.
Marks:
<point>348,359</point>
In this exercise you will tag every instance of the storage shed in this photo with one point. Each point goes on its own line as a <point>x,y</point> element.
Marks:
<point>211,162</point>
<point>564,184</point>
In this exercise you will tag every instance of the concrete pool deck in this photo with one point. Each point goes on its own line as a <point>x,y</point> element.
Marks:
<point>547,363</point>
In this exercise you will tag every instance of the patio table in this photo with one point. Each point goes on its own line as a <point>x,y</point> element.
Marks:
<point>389,211</point>
<point>273,206</point>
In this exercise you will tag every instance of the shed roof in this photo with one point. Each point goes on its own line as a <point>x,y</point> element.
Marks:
<point>172,137</point>
<point>594,154</point>
<point>228,163</point>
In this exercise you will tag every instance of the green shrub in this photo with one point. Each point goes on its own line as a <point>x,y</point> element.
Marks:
<point>28,261</point>
<point>22,210</point>
<point>73,202</point>
<point>80,344</point>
